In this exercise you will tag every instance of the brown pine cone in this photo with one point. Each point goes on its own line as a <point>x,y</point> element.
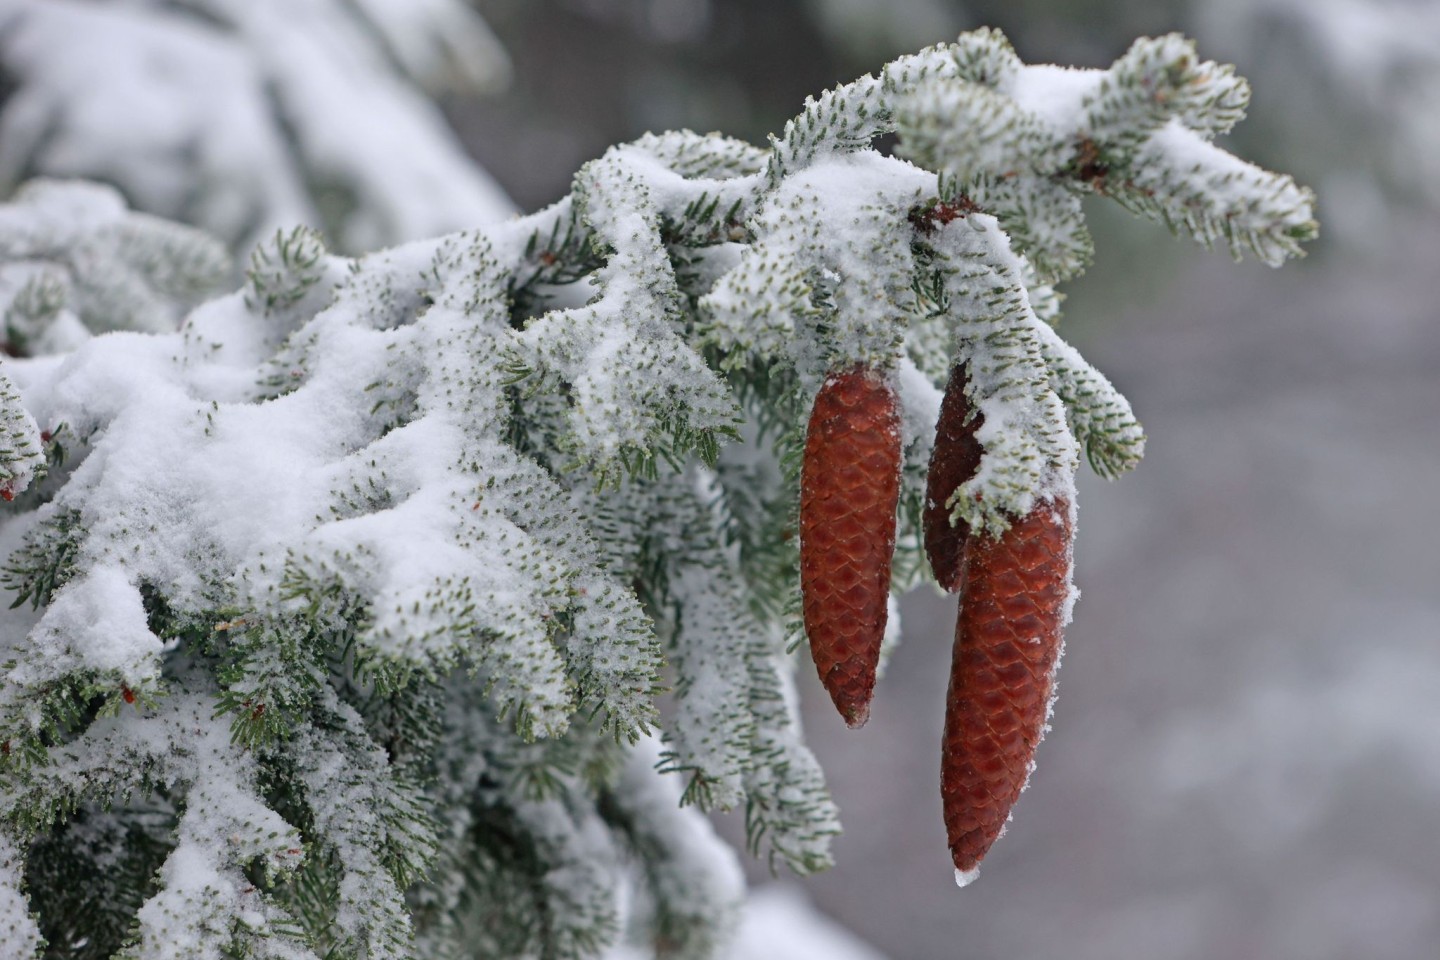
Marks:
<point>1007,644</point>
<point>849,487</point>
<point>953,461</point>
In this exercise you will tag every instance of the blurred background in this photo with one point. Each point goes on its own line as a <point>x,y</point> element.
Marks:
<point>1245,761</point>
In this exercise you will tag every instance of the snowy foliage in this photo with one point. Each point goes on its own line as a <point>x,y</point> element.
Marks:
<point>75,262</point>
<point>258,114</point>
<point>1361,86</point>
<point>21,456</point>
<point>342,611</point>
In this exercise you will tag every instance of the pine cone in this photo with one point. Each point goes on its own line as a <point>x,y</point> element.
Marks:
<point>849,487</point>
<point>953,461</point>
<point>1007,644</point>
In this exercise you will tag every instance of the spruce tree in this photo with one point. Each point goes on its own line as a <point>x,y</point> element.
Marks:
<point>343,613</point>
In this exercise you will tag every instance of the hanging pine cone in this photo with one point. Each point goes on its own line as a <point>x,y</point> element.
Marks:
<point>1014,590</point>
<point>953,461</point>
<point>849,487</point>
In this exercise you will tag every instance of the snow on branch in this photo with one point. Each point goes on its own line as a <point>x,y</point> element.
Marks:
<point>75,262</point>
<point>400,550</point>
<point>21,457</point>
<point>259,114</point>
<point>1137,132</point>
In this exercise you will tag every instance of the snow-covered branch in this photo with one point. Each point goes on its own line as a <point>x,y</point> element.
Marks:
<point>401,549</point>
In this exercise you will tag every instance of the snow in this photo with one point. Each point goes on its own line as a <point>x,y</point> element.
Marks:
<point>413,181</point>
<point>207,119</point>
<point>18,929</point>
<point>260,113</point>
<point>1030,452</point>
<point>443,43</point>
<point>96,622</point>
<point>841,217</point>
<point>258,478</point>
<point>21,456</point>
<point>1242,203</point>
<point>780,922</point>
<point>1053,94</point>
<point>76,263</point>
<point>963,878</point>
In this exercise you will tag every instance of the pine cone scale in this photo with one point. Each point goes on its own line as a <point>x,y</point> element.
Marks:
<point>1007,645</point>
<point>849,487</point>
<point>953,461</point>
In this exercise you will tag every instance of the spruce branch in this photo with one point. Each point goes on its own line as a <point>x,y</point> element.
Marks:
<point>22,457</point>
<point>76,263</point>
<point>399,552</point>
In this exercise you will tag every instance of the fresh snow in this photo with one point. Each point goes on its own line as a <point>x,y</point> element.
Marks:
<point>1055,95</point>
